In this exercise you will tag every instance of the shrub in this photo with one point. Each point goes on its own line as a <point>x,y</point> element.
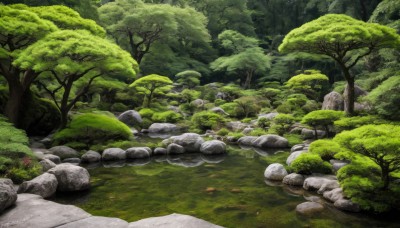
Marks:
<point>308,163</point>
<point>219,102</point>
<point>118,107</point>
<point>325,148</point>
<point>258,132</point>
<point>293,139</point>
<point>248,105</point>
<point>323,118</point>
<point>223,132</point>
<point>281,123</point>
<point>232,109</point>
<point>146,113</point>
<point>311,83</point>
<point>349,123</point>
<point>263,122</point>
<point>207,120</point>
<point>93,129</point>
<point>236,135</point>
<point>166,117</point>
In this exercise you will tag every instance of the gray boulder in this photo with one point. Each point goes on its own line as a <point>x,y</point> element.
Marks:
<point>268,116</point>
<point>271,141</point>
<point>138,152</point>
<point>310,134</point>
<point>321,183</point>
<point>334,195</point>
<point>130,118</point>
<point>112,154</point>
<point>275,172</point>
<point>47,164</point>
<point>293,156</point>
<point>213,147</point>
<point>236,125</point>
<point>190,141</point>
<point>173,221</point>
<point>8,195</point>
<point>162,128</point>
<point>247,130</point>
<point>53,158</point>
<point>219,111</point>
<point>308,208</point>
<point>160,151</point>
<point>297,147</point>
<point>174,148</point>
<point>91,157</point>
<point>347,205</point>
<point>247,140</point>
<point>71,177</point>
<point>44,185</point>
<point>97,222</point>
<point>64,152</point>
<point>293,179</point>
<point>338,164</point>
<point>333,101</point>
<point>198,103</point>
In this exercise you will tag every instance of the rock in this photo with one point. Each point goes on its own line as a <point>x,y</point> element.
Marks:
<point>247,140</point>
<point>338,164</point>
<point>52,158</point>
<point>333,101</point>
<point>37,145</point>
<point>297,147</point>
<point>173,221</point>
<point>160,151</point>
<point>347,205</point>
<point>130,118</point>
<point>310,134</point>
<point>97,222</point>
<point>71,177</point>
<point>138,152</point>
<point>271,141</point>
<point>236,125</point>
<point>34,211</point>
<point>293,156</point>
<point>308,208</point>
<point>221,95</point>
<point>358,92</point>
<point>268,116</point>
<point>47,164</point>
<point>190,141</point>
<point>38,154</point>
<point>321,183</point>
<point>334,195</point>
<point>247,130</point>
<point>91,157</point>
<point>219,110</point>
<point>112,154</point>
<point>8,195</point>
<point>72,160</point>
<point>293,179</point>
<point>213,147</point>
<point>275,172</point>
<point>44,185</point>
<point>162,128</point>
<point>198,103</point>
<point>64,152</point>
<point>174,148</point>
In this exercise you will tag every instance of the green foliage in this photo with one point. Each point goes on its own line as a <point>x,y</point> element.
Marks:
<point>146,113</point>
<point>248,106</point>
<point>24,170</point>
<point>308,163</point>
<point>93,129</point>
<point>263,122</point>
<point>387,13</point>
<point>232,109</point>
<point>207,120</point>
<point>152,85</point>
<point>258,132</point>
<point>293,139</point>
<point>236,135</point>
<point>309,83</point>
<point>322,118</point>
<point>223,132</point>
<point>188,78</point>
<point>350,123</point>
<point>166,117</point>
<point>326,149</point>
<point>189,95</point>
<point>282,123</point>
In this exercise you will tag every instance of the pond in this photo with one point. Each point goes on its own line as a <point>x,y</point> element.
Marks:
<point>229,191</point>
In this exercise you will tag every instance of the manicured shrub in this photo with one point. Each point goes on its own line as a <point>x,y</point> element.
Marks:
<point>310,83</point>
<point>93,129</point>
<point>146,113</point>
<point>281,123</point>
<point>293,139</point>
<point>349,123</point>
<point>207,120</point>
<point>258,132</point>
<point>118,107</point>
<point>166,117</point>
<point>189,95</point>
<point>232,109</point>
<point>309,163</point>
<point>248,105</point>
<point>323,118</point>
<point>236,135</point>
<point>325,148</point>
<point>223,132</point>
<point>263,122</point>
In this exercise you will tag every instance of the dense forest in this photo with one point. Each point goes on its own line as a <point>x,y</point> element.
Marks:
<point>298,69</point>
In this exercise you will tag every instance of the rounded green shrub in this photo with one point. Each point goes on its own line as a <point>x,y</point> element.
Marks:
<point>166,117</point>
<point>223,132</point>
<point>232,109</point>
<point>325,148</point>
<point>93,129</point>
<point>309,163</point>
<point>146,113</point>
<point>324,118</point>
<point>349,123</point>
<point>207,120</point>
<point>281,123</point>
<point>119,107</point>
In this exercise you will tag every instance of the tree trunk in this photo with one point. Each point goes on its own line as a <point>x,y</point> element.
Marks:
<point>13,106</point>
<point>385,178</point>
<point>350,97</point>
<point>249,76</point>
<point>64,107</point>
<point>315,132</point>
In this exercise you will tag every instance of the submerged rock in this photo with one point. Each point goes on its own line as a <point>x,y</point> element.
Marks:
<point>173,221</point>
<point>213,147</point>
<point>247,140</point>
<point>271,141</point>
<point>44,185</point>
<point>8,195</point>
<point>174,148</point>
<point>138,152</point>
<point>308,208</point>
<point>160,151</point>
<point>275,172</point>
<point>71,177</point>
<point>347,205</point>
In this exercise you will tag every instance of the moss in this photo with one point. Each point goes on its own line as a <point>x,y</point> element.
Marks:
<point>293,139</point>
<point>166,117</point>
<point>223,132</point>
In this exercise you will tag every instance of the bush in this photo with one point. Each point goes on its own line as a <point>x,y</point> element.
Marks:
<point>350,123</point>
<point>281,123</point>
<point>293,139</point>
<point>236,135</point>
<point>166,117</point>
<point>308,163</point>
<point>258,132</point>
<point>223,132</point>
<point>323,118</point>
<point>207,120</point>
<point>93,129</point>
<point>232,109</point>
<point>118,107</point>
<point>146,113</point>
<point>326,149</point>
<point>263,122</point>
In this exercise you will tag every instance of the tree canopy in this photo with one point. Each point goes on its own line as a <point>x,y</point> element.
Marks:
<point>151,85</point>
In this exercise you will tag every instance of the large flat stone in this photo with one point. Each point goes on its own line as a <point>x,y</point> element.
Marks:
<point>34,211</point>
<point>172,221</point>
<point>97,222</point>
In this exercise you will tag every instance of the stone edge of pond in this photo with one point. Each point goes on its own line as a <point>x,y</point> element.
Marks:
<point>33,211</point>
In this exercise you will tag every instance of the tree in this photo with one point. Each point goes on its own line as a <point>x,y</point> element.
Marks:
<point>321,118</point>
<point>248,105</point>
<point>188,78</point>
<point>380,143</point>
<point>344,39</point>
<point>246,60</point>
<point>151,85</point>
<point>309,83</point>
<point>69,56</point>
<point>387,13</point>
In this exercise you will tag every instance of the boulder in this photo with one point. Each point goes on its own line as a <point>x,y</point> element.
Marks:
<point>91,157</point>
<point>97,222</point>
<point>268,116</point>
<point>138,152</point>
<point>72,160</point>
<point>321,183</point>
<point>293,179</point>
<point>293,156</point>
<point>247,130</point>
<point>347,205</point>
<point>247,140</point>
<point>275,172</point>
<point>174,148</point>
<point>308,208</point>
<point>213,147</point>
<point>160,151</point>
<point>112,154</point>
<point>310,134</point>
<point>8,195</point>
<point>162,128</point>
<point>334,195</point>
<point>219,111</point>
<point>44,185</point>
<point>221,95</point>
<point>130,118</point>
<point>47,164</point>
<point>71,177</point>
<point>338,164</point>
<point>236,125</point>
<point>64,152</point>
<point>271,141</point>
<point>333,101</point>
<point>297,147</point>
<point>198,103</point>
<point>173,221</point>
<point>190,141</point>
<point>34,211</point>
<point>53,158</point>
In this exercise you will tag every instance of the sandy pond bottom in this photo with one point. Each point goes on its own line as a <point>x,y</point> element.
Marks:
<point>229,191</point>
